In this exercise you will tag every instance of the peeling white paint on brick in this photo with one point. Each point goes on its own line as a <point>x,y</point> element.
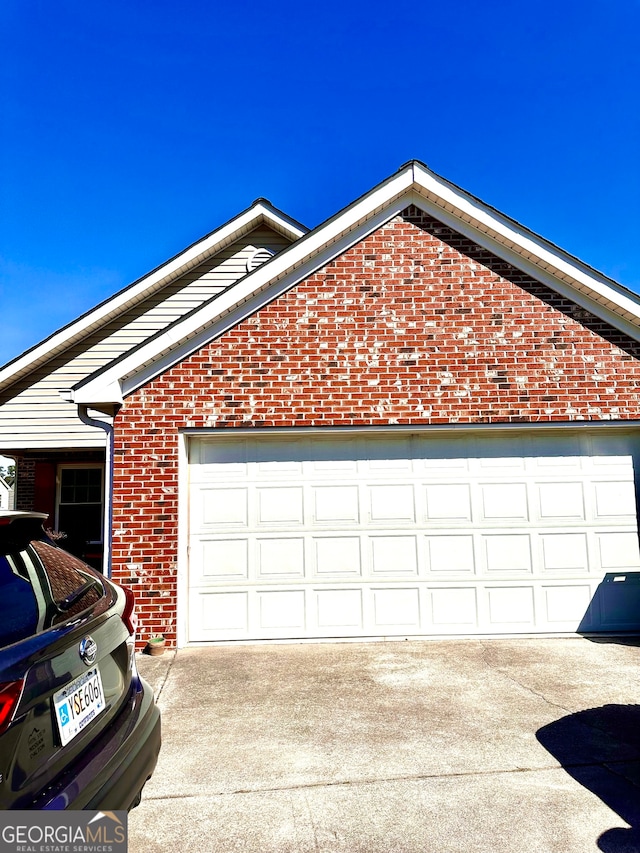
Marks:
<point>350,369</point>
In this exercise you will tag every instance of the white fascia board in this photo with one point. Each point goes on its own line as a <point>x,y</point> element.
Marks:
<point>110,395</point>
<point>260,212</point>
<point>413,184</point>
<point>451,429</point>
<point>34,442</point>
<point>249,294</point>
<point>525,243</point>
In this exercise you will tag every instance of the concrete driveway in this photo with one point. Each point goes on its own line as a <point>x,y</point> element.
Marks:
<point>474,746</point>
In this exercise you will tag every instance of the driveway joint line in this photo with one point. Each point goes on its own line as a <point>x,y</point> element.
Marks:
<point>166,676</point>
<point>390,779</point>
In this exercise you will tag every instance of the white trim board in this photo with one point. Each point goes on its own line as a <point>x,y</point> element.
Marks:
<point>224,312</point>
<point>452,536</point>
<point>413,184</point>
<point>261,212</point>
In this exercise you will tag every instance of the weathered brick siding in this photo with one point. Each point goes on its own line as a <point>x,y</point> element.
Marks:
<point>414,325</point>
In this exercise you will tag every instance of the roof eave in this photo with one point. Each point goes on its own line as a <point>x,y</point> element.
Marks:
<point>260,212</point>
<point>413,183</point>
<point>526,243</point>
<point>313,245</point>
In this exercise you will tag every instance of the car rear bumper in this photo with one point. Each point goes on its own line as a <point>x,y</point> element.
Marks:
<point>113,773</point>
<point>124,786</point>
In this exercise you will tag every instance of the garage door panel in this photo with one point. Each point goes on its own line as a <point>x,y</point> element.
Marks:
<point>392,503</point>
<point>550,465</point>
<point>281,466</point>
<point>615,499</point>
<point>501,464</point>
<point>507,553</point>
<point>448,555</point>
<point>393,555</point>
<point>329,536</point>
<point>280,557</point>
<point>608,446</point>
<point>618,598</point>
<point>397,609</point>
<point>454,609</point>
<point>220,615</point>
<point>339,609</point>
<point>282,611</point>
<point>217,559</point>
<point>547,455</point>
<point>609,466</point>
<point>328,456</point>
<point>336,504</point>
<point>389,456</point>
<point>504,501</point>
<point>280,505</point>
<point>222,508</point>
<point>564,552</point>
<point>511,607</point>
<point>209,460</point>
<point>337,556</point>
<point>439,446</point>
<point>442,457</point>
<point>565,605</point>
<point>445,466</point>
<point>560,501</point>
<point>618,550</point>
<point>450,502</point>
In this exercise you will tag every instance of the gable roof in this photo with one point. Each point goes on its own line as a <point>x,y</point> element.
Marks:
<point>413,184</point>
<point>261,212</point>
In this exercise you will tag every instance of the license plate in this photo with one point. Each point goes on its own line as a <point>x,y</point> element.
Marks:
<point>77,704</point>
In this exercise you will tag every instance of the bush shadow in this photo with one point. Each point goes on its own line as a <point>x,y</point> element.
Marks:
<point>600,749</point>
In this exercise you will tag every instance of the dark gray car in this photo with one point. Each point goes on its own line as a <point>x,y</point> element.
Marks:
<point>79,728</point>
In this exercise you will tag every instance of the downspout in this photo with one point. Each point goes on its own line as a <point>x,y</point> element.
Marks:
<point>83,414</point>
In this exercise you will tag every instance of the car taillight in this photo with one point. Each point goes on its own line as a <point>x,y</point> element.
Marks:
<point>10,693</point>
<point>129,616</point>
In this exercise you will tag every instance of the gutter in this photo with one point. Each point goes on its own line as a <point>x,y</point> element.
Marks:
<point>108,483</point>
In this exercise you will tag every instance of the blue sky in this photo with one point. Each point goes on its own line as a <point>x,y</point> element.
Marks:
<point>130,129</point>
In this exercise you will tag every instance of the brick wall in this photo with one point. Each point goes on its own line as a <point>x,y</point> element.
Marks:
<point>25,483</point>
<point>414,325</point>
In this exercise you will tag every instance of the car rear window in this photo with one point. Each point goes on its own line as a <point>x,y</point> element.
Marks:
<point>40,584</point>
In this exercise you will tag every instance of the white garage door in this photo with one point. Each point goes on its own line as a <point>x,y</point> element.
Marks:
<point>352,535</point>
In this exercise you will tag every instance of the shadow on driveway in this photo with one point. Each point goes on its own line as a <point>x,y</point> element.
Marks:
<point>600,749</point>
